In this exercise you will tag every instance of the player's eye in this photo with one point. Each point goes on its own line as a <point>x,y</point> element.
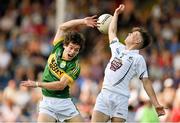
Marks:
<point>70,48</point>
<point>76,50</point>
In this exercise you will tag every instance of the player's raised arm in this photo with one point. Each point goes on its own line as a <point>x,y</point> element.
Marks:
<point>69,25</point>
<point>113,25</point>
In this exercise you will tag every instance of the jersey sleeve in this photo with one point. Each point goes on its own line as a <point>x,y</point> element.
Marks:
<point>56,42</point>
<point>73,73</point>
<point>141,69</point>
<point>116,46</point>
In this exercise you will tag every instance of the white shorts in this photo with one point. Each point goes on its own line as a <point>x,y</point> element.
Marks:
<point>112,104</point>
<point>60,109</point>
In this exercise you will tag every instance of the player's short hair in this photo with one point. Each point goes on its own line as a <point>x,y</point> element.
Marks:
<point>75,38</point>
<point>146,38</point>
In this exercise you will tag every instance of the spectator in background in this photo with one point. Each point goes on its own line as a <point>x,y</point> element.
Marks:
<point>174,45</point>
<point>9,110</point>
<point>175,115</point>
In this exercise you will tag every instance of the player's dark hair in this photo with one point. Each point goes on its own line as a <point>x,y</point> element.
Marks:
<point>75,38</point>
<point>146,38</point>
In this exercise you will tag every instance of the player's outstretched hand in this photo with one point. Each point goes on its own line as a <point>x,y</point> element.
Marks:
<point>28,83</point>
<point>160,110</point>
<point>91,21</point>
<point>119,10</point>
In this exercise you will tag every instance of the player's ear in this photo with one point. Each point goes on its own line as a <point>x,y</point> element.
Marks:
<point>138,41</point>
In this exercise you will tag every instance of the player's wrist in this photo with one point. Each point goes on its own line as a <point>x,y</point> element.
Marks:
<point>82,21</point>
<point>158,107</point>
<point>37,84</point>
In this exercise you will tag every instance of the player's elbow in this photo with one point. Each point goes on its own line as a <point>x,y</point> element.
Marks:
<point>62,27</point>
<point>61,87</point>
<point>146,83</point>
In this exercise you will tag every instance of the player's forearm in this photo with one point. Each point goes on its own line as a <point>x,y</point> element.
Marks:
<point>113,24</point>
<point>113,28</point>
<point>56,85</point>
<point>150,91</point>
<point>71,24</point>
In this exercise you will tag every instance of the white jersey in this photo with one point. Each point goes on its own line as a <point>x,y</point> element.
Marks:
<point>122,67</point>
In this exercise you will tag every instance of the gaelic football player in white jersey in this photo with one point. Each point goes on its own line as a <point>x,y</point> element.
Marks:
<point>125,63</point>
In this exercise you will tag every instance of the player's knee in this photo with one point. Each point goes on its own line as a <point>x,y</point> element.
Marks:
<point>99,117</point>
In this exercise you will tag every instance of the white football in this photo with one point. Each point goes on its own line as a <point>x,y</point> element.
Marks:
<point>104,21</point>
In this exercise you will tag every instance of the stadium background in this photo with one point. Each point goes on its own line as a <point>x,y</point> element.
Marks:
<point>27,28</point>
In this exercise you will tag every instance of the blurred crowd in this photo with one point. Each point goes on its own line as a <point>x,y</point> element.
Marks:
<point>27,28</point>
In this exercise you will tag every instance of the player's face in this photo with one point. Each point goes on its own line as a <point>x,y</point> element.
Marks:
<point>70,51</point>
<point>133,38</point>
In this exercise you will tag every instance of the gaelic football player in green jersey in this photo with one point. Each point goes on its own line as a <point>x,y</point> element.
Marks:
<point>60,72</point>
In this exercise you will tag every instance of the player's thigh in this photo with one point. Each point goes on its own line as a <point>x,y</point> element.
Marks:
<point>43,117</point>
<point>117,120</point>
<point>99,117</point>
<point>76,118</point>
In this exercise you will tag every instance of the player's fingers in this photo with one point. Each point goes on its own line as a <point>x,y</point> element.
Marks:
<point>94,16</point>
<point>121,7</point>
<point>23,84</point>
<point>91,26</point>
<point>96,24</point>
<point>23,81</point>
<point>161,114</point>
<point>95,20</point>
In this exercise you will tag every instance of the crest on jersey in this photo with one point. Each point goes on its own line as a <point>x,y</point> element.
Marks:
<point>63,64</point>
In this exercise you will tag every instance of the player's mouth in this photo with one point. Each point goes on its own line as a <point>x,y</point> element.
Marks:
<point>70,55</point>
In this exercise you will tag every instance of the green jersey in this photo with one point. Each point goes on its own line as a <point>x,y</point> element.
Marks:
<point>56,67</point>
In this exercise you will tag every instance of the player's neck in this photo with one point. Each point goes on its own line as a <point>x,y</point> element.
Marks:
<point>131,47</point>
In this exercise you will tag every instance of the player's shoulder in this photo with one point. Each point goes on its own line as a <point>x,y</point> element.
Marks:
<point>58,48</point>
<point>140,58</point>
<point>75,62</point>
